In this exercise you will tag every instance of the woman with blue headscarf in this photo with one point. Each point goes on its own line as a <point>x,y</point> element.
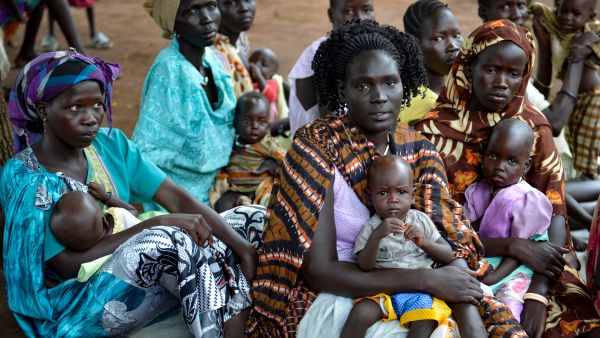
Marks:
<point>57,106</point>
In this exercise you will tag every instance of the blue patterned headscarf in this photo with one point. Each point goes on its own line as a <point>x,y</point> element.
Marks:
<point>38,82</point>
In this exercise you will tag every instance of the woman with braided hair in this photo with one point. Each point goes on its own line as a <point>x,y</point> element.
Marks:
<point>307,276</point>
<point>438,34</point>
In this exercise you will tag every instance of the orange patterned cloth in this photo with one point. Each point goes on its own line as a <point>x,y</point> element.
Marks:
<point>279,295</point>
<point>242,82</point>
<point>460,133</point>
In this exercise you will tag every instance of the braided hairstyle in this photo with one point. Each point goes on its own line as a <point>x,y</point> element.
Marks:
<point>334,54</point>
<point>418,12</point>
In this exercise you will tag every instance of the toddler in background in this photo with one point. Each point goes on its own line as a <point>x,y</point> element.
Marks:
<point>504,205</point>
<point>397,237</point>
<point>255,159</point>
<point>570,34</point>
<point>263,69</point>
<point>78,222</point>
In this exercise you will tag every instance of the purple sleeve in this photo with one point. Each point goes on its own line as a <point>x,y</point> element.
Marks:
<point>477,199</point>
<point>530,215</point>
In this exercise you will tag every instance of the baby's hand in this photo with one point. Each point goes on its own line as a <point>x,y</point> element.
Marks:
<point>389,226</point>
<point>415,234</point>
<point>268,166</point>
<point>581,46</point>
<point>98,191</point>
<point>255,73</point>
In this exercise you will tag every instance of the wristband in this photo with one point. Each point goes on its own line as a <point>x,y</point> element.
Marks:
<point>535,296</point>
<point>571,96</point>
<point>104,201</point>
<point>540,84</point>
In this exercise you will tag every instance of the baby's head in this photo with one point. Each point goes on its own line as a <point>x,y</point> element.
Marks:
<point>573,14</point>
<point>390,186</point>
<point>507,157</point>
<point>266,60</point>
<point>77,221</point>
<point>251,118</point>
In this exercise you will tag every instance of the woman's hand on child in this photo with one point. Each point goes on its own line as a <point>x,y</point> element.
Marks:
<point>533,318</point>
<point>389,226</point>
<point>545,258</point>
<point>454,285</point>
<point>195,225</point>
<point>415,234</point>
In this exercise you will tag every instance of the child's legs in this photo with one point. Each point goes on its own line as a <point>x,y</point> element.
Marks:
<point>364,314</point>
<point>511,293</point>
<point>421,328</point>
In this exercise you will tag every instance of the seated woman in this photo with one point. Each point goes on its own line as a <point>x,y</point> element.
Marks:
<point>186,112</point>
<point>487,84</point>
<point>60,99</point>
<point>307,278</point>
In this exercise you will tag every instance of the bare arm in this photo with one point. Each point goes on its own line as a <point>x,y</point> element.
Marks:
<point>66,264</point>
<point>507,266</point>
<point>439,250</point>
<point>544,67</point>
<point>367,257</point>
<point>109,200</point>
<point>322,271</point>
<point>561,108</point>
<point>175,199</point>
<point>306,92</point>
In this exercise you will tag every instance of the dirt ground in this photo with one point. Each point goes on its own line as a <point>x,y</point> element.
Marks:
<point>287,27</point>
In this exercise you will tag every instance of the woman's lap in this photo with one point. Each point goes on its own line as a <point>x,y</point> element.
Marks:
<point>162,265</point>
<point>328,313</point>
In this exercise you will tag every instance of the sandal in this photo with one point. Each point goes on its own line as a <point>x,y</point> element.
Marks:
<point>101,41</point>
<point>49,44</point>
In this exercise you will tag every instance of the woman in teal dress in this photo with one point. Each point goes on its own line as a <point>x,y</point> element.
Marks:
<point>186,111</point>
<point>57,106</point>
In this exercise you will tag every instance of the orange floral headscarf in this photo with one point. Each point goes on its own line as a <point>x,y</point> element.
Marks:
<point>460,132</point>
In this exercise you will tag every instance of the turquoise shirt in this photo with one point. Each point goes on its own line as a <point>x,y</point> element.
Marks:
<point>135,177</point>
<point>178,129</point>
<point>27,195</point>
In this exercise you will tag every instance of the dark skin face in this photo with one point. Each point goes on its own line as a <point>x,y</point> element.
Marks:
<point>506,159</point>
<point>74,117</point>
<point>513,10</point>
<point>253,124</point>
<point>391,189</point>
<point>266,62</point>
<point>497,73</point>
<point>573,14</point>
<point>373,93</point>
<point>197,22</point>
<point>236,16</point>
<point>440,41</point>
<point>346,10</point>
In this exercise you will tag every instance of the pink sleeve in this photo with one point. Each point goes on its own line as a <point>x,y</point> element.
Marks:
<point>531,215</point>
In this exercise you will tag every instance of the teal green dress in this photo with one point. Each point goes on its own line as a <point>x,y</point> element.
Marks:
<point>178,129</point>
<point>154,272</point>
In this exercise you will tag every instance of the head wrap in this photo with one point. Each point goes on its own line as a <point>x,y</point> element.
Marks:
<point>460,132</point>
<point>46,77</point>
<point>164,13</point>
